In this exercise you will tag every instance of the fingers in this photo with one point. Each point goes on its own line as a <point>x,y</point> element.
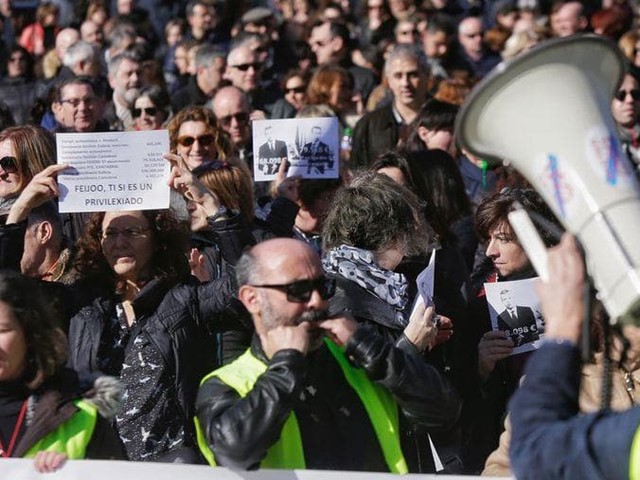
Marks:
<point>47,462</point>
<point>52,170</point>
<point>176,160</point>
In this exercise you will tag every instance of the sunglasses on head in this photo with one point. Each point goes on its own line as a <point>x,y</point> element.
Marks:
<point>243,67</point>
<point>240,117</point>
<point>9,164</point>
<point>204,140</point>
<point>295,90</point>
<point>151,111</point>
<point>621,95</point>
<point>301,291</point>
<point>210,166</point>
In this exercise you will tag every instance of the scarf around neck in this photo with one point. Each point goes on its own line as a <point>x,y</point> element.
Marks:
<point>359,266</point>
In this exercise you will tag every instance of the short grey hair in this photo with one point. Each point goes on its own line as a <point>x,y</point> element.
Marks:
<point>405,51</point>
<point>114,63</point>
<point>80,51</point>
<point>207,54</point>
<point>247,269</point>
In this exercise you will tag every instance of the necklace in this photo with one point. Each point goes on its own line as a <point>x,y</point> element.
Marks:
<point>6,452</point>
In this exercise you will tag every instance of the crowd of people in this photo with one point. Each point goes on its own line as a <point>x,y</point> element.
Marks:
<point>280,325</point>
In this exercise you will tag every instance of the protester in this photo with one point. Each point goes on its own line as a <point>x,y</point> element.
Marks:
<point>65,420</point>
<point>146,319</point>
<point>283,286</point>
<point>151,109</point>
<point>24,151</point>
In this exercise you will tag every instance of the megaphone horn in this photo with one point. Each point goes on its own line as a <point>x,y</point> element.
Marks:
<point>548,112</point>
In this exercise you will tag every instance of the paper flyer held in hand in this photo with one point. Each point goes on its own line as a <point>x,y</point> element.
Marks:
<point>111,171</point>
<point>311,146</point>
<point>514,308</point>
<point>425,283</point>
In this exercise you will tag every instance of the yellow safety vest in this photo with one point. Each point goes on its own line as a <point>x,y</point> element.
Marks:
<point>288,452</point>
<point>71,437</point>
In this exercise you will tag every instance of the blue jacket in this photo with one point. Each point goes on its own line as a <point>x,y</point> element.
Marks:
<point>551,439</point>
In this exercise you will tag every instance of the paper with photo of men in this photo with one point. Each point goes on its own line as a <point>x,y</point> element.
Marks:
<point>514,308</point>
<point>311,145</point>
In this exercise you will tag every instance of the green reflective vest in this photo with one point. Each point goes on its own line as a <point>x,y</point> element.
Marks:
<point>71,437</point>
<point>288,452</point>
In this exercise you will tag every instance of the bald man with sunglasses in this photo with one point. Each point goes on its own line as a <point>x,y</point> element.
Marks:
<point>311,391</point>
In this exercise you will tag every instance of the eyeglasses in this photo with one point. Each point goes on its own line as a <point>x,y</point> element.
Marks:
<point>204,140</point>
<point>19,58</point>
<point>240,117</point>
<point>301,291</point>
<point>473,35</point>
<point>243,67</point>
<point>151,111</point>
<point>295,90</point>
<point>131,233</point>
<point>210,166</point>
<point>621,95</point>
<point>75,102</point>
<point>9,164</point>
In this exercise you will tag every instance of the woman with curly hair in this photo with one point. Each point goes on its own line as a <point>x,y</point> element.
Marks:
<point>43,410</point>
<point>149,323</point>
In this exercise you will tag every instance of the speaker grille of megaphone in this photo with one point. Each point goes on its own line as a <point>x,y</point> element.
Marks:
<point>548,112</point>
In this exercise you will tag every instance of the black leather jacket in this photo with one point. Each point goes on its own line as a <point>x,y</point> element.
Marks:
<point>239,431</point>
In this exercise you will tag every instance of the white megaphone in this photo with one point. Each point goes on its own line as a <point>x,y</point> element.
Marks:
<point>548,112</point>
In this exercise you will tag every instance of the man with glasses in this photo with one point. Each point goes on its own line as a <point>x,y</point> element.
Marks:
<point>303,395</point>
<point>77,108</point>
<point>245,71</point>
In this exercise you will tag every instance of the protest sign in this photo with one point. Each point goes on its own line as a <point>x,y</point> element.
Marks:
<point>311,145</point>
<point>514,308</point>
<point>113,171</point>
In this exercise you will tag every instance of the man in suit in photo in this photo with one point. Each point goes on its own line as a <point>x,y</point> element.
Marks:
<point>518,323</point>
<point>317,153</point>
<point>271,153</point>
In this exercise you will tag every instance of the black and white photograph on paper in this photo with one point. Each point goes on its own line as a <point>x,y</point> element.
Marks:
<point>514,308</point>
<point>311,145</point>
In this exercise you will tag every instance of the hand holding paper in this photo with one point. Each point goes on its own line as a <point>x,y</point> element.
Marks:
<point>42,187</point>
<point>188,185</point>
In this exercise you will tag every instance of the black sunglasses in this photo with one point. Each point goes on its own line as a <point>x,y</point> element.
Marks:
<point>621,95</point>
<point>9,164</point>
<point>204,140</point>
<point>301,291</point>
<point>151,111</point>
<point>295,90</point>
<point>243,67</point>
<point>240,117</point>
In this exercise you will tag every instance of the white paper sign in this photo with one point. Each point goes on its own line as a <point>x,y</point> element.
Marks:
<point>113,171</point>
<point>514,308</point>
<point>425,283</point>
<point>311,145</point>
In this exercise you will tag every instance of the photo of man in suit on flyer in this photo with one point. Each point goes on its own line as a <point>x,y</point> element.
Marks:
<point>518,322</point>
<point>271,153</point>
<point>316,153</point>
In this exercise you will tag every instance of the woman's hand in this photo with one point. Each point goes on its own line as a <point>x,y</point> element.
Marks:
<point>188,185</point>
<point>493,346</point>
<point>445,330</point>
<point>287,186</point>
<point>47,462</point>
<point>422,330</point>
<point>42,187</point>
